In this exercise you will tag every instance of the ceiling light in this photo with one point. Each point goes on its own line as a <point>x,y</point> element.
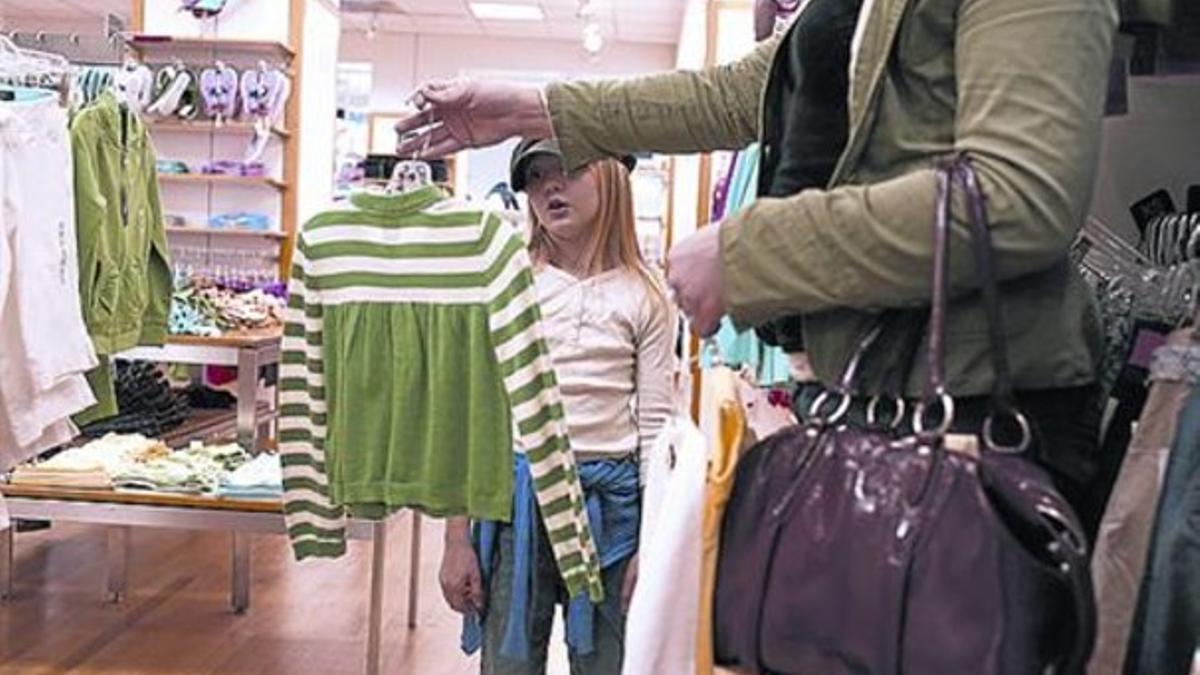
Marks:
<point>502,11</point>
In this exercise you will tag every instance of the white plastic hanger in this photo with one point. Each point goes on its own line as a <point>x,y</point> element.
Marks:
<point>17,62</point>
<point>411,174</point>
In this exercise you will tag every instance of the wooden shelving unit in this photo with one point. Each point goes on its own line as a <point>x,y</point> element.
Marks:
<point>205,179</point>
<point>205,231</point>
<point>210,127</point>
<point>236,339</point>
<point>162,46</point>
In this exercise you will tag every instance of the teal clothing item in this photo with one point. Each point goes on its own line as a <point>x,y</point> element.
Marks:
<point>744,348</point>
<point>412,350</point>
<point>124,265</point>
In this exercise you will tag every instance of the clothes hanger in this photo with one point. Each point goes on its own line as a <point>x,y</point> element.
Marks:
<point>411,174</point>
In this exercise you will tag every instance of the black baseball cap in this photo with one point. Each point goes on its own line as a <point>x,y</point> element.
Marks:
<point>529,148</point>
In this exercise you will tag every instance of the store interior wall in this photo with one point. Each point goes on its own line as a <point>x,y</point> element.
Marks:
<point>1156,145</point>
<point>318,110</point>
<point>402,60</point>
<point>689,54</point>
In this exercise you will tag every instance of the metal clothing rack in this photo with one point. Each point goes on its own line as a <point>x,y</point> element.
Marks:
<point>86,50</point>
<point>105,49</point>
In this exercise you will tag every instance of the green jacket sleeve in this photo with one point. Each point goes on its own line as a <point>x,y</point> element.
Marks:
<point>678,112</point>
<point>1031,78</point>
<point>158,265</point>
<point>90,207</point>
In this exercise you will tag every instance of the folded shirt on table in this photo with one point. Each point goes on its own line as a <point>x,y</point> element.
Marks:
<point>261,478</point>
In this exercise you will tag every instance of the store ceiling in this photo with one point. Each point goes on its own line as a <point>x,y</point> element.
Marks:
<point>656,21</point>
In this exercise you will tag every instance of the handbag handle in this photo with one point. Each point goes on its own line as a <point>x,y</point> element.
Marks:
<point>959,171</point>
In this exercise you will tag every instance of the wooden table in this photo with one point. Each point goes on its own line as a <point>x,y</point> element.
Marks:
<point>121,510</point>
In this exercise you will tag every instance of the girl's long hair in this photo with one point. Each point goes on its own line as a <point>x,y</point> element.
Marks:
<point>614,233</point>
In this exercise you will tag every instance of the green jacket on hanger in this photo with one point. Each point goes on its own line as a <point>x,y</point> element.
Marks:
<point>124,269</point>
<point>1018,85</point>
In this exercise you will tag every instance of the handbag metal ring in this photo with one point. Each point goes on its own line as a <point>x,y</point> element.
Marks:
<point>843,407</point>
<point>1065,533</point>
<point>989,440</point>
<point>897,416</point>
<point>946,402</point>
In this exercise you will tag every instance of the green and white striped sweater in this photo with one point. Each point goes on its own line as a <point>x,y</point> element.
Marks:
<point>413,365</point>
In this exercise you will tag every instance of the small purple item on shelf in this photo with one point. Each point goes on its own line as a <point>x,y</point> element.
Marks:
<point>233,167</point>
<point>253,169</point>
<point>219,88</point>
<point>221,167</point>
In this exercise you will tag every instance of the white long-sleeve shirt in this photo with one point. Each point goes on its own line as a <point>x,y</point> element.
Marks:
<point>612,342</point>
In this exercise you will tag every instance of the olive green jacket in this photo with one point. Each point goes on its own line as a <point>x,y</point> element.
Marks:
<point>124,269</point>
<point>1019,85</point>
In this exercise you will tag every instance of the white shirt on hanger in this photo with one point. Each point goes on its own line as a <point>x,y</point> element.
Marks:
<point>660,630</point>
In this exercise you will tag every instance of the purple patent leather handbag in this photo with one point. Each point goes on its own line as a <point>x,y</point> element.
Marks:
<point>860,550</point>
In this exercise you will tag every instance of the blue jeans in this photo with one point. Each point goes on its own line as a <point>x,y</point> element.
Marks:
<point>608,633</point>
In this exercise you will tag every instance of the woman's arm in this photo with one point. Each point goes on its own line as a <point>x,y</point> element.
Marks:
<point>1031,78</point>
<point>654,373</point>
<point>683,111</point>
<point>678,112</point>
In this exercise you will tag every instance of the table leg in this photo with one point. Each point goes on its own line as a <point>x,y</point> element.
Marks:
<point>247,398</point>
<point>414,569</point>
<point>8,564</point>
<point>118,562</point>
<point>375,627</point>
<point>241,572</point>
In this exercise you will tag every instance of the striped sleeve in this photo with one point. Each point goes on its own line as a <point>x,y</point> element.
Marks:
<point>538,416</point>
<point>315,525</point>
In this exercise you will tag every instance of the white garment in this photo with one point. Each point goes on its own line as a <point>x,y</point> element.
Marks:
<point>612,343</point>
<point>44,344</point>
<point>660,630</point>
<point>59,433</point>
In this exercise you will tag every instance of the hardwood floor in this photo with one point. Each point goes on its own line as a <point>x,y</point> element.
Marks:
<point>304,617</point>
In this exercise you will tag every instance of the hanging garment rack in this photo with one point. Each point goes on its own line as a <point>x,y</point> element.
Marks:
<point>85,50</point>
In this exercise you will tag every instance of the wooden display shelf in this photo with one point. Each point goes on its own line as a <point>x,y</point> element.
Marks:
<point>212,179</point>
<point>142,497</point>
<point>204,231</point>
<point>238,339</point>
<point>210,127</point>
<point>169,47</point>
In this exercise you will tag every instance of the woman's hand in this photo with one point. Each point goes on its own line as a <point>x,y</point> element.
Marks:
<point>629,583</point>
<point>695,275</point>
<point>457,114</point>
<point>462,583</point>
